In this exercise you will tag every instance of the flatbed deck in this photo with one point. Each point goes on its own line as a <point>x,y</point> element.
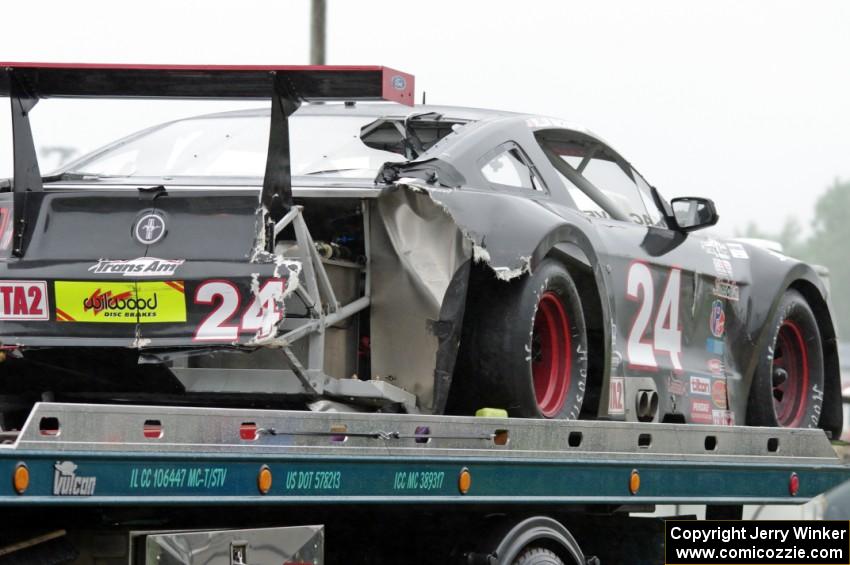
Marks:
<point>141,455</point>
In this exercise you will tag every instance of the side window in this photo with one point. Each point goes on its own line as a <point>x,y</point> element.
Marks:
<point>510,167</point>
<point>600,182</point>
<point>618,185</point>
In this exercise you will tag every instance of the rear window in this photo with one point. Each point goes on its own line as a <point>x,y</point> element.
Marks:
<point>236,146</point>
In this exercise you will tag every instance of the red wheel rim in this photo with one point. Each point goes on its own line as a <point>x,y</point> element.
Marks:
<point>790,397</point>
<point>551,355</point>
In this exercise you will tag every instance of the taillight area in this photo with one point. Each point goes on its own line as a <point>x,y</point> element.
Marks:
<point>5,227</point>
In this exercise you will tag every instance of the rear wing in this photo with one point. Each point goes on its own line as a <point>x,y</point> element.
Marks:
<point>286,86</point>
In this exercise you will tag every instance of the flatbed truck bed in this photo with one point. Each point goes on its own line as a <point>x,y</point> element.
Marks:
<point>141,472</point>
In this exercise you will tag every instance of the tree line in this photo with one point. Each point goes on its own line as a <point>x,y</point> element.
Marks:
<point>827,244</point>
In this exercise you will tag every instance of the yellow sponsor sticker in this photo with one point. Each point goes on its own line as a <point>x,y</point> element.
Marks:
<point>116,302</point>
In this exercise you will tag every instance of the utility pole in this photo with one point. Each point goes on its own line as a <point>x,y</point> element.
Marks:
<point>317,32</point>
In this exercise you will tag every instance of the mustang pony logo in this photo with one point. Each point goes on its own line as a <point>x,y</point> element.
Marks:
<point>150,229</point>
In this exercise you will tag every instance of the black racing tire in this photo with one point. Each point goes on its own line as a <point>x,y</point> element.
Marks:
<point>537,556</point>
<point>788,385</point>
<point>524,346</point>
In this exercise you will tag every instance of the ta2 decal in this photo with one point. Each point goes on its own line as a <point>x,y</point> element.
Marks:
<point>24,300</point>
<point>617,396</point>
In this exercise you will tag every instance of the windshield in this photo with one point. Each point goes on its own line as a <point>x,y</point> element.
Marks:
<point>236,146</point>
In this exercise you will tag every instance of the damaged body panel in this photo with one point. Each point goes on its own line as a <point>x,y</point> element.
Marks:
<point>437,260</point>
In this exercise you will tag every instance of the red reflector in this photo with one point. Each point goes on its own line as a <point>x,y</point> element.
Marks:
<point>248,431</point>
<point>152,429</point>
<point>794,484</point>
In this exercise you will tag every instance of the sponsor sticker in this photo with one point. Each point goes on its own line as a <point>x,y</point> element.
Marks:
<point>726,289</point>
<point>701,412</point>
<point>714,346</point>
<point>723,268</point>
<point>717,321</point>
<point>737,250</point>
<point>675,386</point>
<point>716,367</point>
<point>700,385</point>
<point>718,394</point>
<point>722,418</point>
<point>617,396</point>
<point>24,300</point>
<point>66,482</point>
<point>715,248</point>
<point>114,302</point>
<point>141,267</point>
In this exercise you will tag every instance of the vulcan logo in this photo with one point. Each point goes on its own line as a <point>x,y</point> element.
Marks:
<point>107,303</point>
<point>67,483</point>
<point>141,267</point>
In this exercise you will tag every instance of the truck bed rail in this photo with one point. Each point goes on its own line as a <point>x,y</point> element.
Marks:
<point>81,454</point>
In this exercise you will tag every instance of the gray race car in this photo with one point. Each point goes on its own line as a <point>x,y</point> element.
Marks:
<point>355,256</point>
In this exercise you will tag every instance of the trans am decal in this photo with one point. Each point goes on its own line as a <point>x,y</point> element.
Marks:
<point>141,267</point>
<point>23,300</point>
<point>114,302</point>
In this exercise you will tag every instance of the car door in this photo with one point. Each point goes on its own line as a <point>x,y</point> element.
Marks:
<point>669,349</point>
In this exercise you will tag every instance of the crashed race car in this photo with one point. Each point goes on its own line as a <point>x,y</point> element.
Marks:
<point>371,256</point>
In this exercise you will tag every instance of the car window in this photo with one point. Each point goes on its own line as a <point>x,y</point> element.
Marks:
<point>237,145</point>
<point>614,186</point>
<point>509,167</point>
<point>618,185</point>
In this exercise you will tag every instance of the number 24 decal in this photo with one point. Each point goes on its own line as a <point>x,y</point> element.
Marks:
<point>261,315</point>
<point>666,335</point>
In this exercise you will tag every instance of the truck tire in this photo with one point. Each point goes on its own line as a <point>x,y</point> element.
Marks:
<point>537,556</point>
<point>524,346</point>
<point>788,385</point>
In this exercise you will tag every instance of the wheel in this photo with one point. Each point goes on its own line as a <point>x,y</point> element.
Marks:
<point>524,346</point>
<point>537,556</point>
<point>788,385</point>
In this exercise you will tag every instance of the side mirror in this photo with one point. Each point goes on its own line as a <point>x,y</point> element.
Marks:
<point>693,213</point>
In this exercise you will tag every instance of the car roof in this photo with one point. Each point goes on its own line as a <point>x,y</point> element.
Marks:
<point>376,110</point>
<point>393,110</point>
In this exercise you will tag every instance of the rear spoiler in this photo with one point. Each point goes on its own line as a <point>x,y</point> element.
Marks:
<point>286,86</point>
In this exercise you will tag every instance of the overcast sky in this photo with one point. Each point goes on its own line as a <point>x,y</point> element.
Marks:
<point>745,102</point>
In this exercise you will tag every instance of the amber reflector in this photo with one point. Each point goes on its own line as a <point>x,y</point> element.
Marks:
<point>21,478</point>
<point>464,481</point>
<point>634,482</point>
<point>264,480</point>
